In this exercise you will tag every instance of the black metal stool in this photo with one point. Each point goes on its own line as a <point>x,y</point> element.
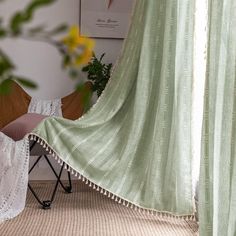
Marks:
<point>46,204</point>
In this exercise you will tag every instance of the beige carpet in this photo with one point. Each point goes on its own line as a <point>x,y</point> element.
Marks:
<point>87,213</point>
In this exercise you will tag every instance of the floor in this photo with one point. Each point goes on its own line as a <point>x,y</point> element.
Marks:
<point>86,212</point>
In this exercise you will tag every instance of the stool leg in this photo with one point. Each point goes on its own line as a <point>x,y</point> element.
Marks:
<point>47,204</point>
<point>67,189</point>
<point>55,188</point>
<point>35,164</point>
<point>36,196</point>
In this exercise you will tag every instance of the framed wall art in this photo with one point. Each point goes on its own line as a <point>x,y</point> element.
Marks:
<point>105,18</point>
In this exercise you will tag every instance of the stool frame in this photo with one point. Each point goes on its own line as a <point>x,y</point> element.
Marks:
<point>46,204</point>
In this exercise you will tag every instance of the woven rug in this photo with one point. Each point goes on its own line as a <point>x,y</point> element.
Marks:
<point>85,212</point>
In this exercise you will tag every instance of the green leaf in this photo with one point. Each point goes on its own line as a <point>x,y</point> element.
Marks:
<point>37,4</point>
<point>86,94</point>
<point>5,86</point>
<point>66,60</point>
<point>3,32</point>
<point>5,63</point>
<point>101,57</point>
<point>36,29</point>
<point>80,87</point>
<point>22,17</point>
<point>25,82</point>
<point>73,73</point>
<point>85,68</point>
<point>59,29</point>
<point>16,22</point>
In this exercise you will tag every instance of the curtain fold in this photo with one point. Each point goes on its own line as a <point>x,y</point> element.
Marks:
<point>218,166</point>
<point>135,142</point>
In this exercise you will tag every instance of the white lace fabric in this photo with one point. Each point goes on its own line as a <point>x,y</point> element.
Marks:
<point>14,164</point>
<point>45,107</point>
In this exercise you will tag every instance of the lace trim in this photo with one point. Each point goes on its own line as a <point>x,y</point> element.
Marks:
<point>45,107</point>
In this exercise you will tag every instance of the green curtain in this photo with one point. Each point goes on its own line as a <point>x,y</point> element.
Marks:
<point>218,165</point>
<point>135,142</point>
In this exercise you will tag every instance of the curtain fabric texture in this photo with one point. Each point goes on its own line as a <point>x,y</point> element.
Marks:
<point>135,142</point>
<point>218,166</point>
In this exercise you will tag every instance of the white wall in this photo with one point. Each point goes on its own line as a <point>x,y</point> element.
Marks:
<point>41,62</point>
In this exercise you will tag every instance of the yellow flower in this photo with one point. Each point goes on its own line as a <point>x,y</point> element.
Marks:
<point>71,40</point>
<point>80,48</point>
<point>84,58</point>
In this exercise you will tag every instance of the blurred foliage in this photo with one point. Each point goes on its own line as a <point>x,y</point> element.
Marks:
<point>79,50</point>
<point>21,17</point>
<point>16,28</point>
<point>98,73</point>
<point>86,95</point>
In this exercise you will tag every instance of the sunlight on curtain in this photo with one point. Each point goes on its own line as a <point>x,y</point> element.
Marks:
<point>217,199</point>
<point>200,41</point>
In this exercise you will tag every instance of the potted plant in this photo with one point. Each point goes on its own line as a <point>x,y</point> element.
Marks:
<point>98,73</point>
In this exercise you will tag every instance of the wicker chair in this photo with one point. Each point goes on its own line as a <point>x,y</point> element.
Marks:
<point>15,122</point>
